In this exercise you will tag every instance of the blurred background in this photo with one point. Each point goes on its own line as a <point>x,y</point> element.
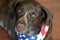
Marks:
<point>54,8</point>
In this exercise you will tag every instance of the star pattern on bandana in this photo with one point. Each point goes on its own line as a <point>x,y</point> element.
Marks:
<point>26,37</point>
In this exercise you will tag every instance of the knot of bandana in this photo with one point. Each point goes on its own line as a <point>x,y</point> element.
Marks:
<point>39,36</point>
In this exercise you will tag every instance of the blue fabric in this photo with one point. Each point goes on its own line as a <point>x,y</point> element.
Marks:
<point>26,37</point>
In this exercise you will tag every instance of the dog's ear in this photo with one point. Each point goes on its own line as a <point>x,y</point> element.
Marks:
<point>43,14</point>
<point>12,8</point>
<point>46,16</point>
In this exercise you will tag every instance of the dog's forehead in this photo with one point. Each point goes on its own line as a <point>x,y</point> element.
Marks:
<point>29,7</point>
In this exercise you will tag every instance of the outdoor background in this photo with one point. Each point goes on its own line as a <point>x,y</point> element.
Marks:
<point>54,8</point>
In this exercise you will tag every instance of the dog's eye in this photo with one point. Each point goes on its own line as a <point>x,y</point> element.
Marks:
<point>20,13</point>
<point>33,15</point>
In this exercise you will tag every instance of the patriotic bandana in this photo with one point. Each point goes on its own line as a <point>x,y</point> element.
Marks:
<point>39,36</point>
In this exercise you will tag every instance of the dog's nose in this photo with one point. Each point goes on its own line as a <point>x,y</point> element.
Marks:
<point>20,27</point>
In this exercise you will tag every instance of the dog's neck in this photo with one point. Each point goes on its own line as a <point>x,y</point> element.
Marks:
<point>39,36</point>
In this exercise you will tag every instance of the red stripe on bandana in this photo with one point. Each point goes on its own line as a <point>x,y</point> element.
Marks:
<point>43,30</point>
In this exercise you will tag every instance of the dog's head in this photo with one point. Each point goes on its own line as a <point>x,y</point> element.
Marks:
<point>29,16</point>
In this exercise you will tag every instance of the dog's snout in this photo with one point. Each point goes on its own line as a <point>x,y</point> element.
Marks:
<point>21,21</point>
<point>21,25</point>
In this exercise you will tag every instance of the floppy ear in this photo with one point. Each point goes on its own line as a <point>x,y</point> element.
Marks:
<point>46,16</point>
<point>12,8</point>
<point>43,15</point>
<point>12,19</point>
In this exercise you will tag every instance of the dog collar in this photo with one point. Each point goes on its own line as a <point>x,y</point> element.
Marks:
<point>39,36</point>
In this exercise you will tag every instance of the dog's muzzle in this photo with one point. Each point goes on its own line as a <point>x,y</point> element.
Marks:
<point>39,36</point>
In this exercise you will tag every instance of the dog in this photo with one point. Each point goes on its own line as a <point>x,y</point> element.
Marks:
<point>27,17</point>
<point>30,17</point>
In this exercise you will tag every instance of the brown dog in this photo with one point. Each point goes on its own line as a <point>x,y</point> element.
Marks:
<point>27,17</point>
<point>30,17</point>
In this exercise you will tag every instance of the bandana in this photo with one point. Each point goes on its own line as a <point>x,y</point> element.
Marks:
<point>39,36</point>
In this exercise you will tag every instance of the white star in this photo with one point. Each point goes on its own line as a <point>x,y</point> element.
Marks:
<point>32,37</point>
<point>20,35</point>
<point>23,35</point>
